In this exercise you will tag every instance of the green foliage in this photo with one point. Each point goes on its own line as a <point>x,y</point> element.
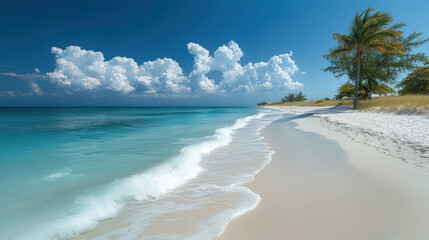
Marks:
<point>294,97</point>
<point>300,97</point>
<point>383,89</point>
<point>347,90</point>
<point>368,33</point>
<point>319,101</point>
<point>326,98</point>
<point>262,103</point>
<point>288,98</point>
<point>378,68</point>
<point>417,82</point>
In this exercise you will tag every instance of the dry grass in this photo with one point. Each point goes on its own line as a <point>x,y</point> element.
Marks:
<point>320,103</point>
<point>402,103</point>
<point>419,103</point>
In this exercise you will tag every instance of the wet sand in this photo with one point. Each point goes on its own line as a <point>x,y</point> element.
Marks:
<point>323,185</point>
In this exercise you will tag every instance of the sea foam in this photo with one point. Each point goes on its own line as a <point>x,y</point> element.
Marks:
<point>203,207</point>
<point>149,185</point>
<point>58,174</point>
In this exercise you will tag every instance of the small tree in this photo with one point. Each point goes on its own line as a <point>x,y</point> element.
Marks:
<point>288,98</point>
<point>347,90</point>
<point>300,97</point>
<point>416,82</point>
<point>292,97</point>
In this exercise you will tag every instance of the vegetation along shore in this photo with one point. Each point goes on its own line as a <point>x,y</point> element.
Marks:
<point>374,56</point>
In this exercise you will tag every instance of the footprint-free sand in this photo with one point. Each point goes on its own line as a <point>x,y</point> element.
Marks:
<point>321,185</point>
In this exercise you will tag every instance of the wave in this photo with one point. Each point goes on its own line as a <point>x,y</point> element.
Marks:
<point>149,185</point>
<point>211,201</point>
<point>58,174</point>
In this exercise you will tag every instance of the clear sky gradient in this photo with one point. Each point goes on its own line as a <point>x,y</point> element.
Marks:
<point>150,30</point>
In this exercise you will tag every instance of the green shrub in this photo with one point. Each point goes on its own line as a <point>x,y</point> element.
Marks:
<point>294,97</point>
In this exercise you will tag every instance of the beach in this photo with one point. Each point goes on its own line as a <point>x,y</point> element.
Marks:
<point>214,120</point>
<point>212,173</point>
<point>323,184</point>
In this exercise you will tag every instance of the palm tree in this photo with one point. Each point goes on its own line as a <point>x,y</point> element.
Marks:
<point>368,33</point>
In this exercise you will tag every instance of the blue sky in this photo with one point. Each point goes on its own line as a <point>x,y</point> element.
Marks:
<point>165,46</point>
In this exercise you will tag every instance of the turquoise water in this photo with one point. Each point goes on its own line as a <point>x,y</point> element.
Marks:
<point>69,168</point>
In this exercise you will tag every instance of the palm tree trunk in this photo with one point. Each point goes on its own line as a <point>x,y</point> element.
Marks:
<point>355,100</point>
<point>370,89</point>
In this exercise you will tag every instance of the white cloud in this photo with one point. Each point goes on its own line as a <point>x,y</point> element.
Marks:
<point>25,77</point>
<point>81,69</point>
<point>36,70</point>
<point>35,88</point>
<point>202,63</point>
<point>7,94</point>
<point>263,76</point>
<point>16,93</point>
<point>165,74</point>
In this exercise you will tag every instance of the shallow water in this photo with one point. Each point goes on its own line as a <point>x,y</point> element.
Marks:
<point>127,173</point>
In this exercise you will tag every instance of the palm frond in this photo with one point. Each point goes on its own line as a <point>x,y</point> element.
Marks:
<point>387,47</point>
<point>370,31</point>
<point>365,14</point>
<point>383,35</point>
<point>342,39</point>
<point>398,26</point>
<point>375,23</point>
<point>338,51</point>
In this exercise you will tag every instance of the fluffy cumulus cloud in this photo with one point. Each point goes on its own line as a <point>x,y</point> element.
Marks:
<point>262,76</point>
<point>81,69</point>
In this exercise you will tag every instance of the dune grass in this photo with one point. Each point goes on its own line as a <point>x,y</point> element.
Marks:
<point>419,103</point>
<point>397,103</point>
<point>315,103</point>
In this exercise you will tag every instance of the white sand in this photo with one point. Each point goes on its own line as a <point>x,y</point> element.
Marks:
<point>324,184</point>
<point>400,135</point>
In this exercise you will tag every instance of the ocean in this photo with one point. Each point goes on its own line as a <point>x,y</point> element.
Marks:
<point>128,172</point>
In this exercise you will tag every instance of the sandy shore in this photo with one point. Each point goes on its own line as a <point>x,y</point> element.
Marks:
<point>323,185</point>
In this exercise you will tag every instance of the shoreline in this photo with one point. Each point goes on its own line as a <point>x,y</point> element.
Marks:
<point>358,193</point>
<point>203,206</point>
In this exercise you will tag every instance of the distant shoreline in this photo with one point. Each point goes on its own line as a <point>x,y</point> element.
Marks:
<point>416,103</point>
